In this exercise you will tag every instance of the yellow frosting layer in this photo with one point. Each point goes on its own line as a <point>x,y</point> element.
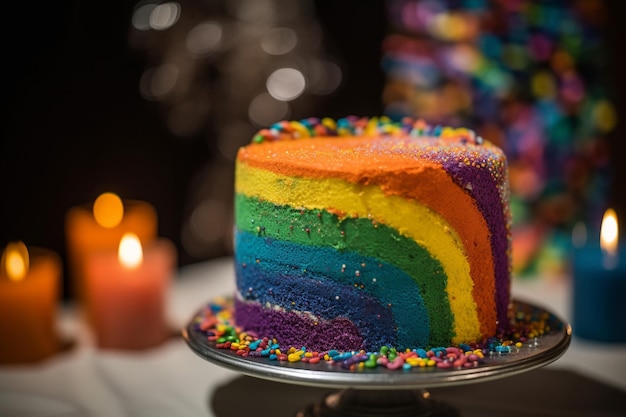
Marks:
<point>409,218</point>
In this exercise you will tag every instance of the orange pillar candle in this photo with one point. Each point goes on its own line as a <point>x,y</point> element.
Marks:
<point>100,228</point>
<point>127,291</point>
<point>29,289</point>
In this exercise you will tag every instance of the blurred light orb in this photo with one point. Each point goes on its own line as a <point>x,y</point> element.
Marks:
<point>207,231</point>
<point>204,38</point>
<point>108,210</point>
<point>253,10</point>
<point>207,221</point>
<point>464,58</point>
<point>141,17</point>
<point>515,57</point>
<point>325,77</point>
<point>542,84</point>
<point>279,41</point>
<point>164,16</point>
<point>605,116</point>
<point>448,27</point>
<point>157,82</point>
<point>285,84</point>
<point>265,110</point>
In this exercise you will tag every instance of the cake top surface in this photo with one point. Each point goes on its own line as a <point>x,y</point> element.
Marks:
<point>352,145</point>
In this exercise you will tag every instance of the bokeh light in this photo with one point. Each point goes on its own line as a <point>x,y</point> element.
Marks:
<point>108,210</point>
<point>286,84</point>
<point>206,228</point>
<point>324,77</point>
<point>265,110</point>
<point>204,38</point>
<point>164,16</point>
<point>157,82</point>
<point>141,16</point>
<point>528,75</point>
<point>279,41</point>
<point>217,72</point>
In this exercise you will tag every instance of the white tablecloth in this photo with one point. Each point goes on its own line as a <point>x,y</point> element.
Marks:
<point>170,380</point>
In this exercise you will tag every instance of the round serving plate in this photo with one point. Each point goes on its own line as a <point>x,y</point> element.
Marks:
<point>533,354</point>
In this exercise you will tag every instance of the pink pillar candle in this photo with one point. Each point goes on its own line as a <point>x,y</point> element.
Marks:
<point>129,302</point>
<point>86,235</point>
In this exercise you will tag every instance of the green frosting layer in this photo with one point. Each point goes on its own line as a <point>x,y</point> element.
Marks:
<point>361,235</point>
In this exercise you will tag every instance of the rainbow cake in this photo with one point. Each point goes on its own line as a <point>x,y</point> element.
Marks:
<point>362,232</point>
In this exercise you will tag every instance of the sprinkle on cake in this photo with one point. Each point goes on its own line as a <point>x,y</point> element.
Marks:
<point>525,327</point>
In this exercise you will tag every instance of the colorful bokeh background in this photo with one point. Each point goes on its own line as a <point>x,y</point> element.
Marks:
<point>151,99</point>
<point>529,76</point>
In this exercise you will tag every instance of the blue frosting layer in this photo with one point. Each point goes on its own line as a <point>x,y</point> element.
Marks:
<point>374,295</point>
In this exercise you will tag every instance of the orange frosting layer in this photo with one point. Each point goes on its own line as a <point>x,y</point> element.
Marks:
<point>397,169</point>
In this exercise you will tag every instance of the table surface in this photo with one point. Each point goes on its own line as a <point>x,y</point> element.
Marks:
<point>170,380</point>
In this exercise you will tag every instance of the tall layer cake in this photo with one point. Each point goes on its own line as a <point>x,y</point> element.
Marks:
<point>360,233</point>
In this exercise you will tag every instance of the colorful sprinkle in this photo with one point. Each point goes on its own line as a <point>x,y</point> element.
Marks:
<point>216,322</point>
<point>364,126</point>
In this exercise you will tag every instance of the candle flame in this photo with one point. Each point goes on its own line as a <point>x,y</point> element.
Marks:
<point>609,233</point>
<point>108,210</point>
<point>130,252</point>
<point>15,261</point>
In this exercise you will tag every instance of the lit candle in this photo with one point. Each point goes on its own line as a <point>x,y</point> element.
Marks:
<point>599,286</point>
<point>100,228</point>
<point>127,289</point>
<point>29,289</point>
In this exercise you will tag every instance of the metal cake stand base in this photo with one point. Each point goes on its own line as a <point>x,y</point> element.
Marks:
<point>383,392</point>
<point>367,403</point>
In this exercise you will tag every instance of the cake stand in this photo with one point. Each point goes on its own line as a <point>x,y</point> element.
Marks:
<point>384,392</point>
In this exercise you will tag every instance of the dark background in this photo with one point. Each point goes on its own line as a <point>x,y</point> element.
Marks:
<point>74,124</point>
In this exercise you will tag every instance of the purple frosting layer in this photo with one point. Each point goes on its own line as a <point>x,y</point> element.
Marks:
<point>293,329</point>
<point>484,190</point>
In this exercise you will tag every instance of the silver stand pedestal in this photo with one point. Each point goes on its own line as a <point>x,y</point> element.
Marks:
<point>383,392</point>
